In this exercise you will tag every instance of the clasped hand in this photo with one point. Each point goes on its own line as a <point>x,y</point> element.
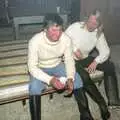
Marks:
<point>55,82</point>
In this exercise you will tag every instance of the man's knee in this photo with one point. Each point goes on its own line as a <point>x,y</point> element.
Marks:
<point>36,87</point>
<point>86,78</point>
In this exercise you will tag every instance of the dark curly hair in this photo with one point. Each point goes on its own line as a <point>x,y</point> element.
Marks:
<point>52,18</point>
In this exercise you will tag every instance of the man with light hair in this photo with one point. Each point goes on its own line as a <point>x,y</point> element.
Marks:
<point>86,36</point>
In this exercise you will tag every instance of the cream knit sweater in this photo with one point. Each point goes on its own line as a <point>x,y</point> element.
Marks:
<point>86,41</point>
<point>43,53</point>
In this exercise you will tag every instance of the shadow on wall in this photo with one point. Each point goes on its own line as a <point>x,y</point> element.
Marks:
<point>112,29</point>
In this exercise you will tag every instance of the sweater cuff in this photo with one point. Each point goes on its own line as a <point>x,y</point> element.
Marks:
<point>74,49</point>
<point>48,80</point>
<point>97,60</point>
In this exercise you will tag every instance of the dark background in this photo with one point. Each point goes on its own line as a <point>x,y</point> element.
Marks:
<point>75,9</point>
<point>14,8</point>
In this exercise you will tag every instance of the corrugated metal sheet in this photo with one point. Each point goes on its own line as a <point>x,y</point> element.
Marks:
<point>37,7</point>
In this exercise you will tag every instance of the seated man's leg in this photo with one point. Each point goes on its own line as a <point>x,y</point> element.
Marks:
<point>81,99</point>
<point>110,82</point>
<point>35,89</point>
<point>92,90</point>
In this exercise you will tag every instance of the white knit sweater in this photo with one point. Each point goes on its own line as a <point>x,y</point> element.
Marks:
<point>86,41</point>
<point>45,54</point>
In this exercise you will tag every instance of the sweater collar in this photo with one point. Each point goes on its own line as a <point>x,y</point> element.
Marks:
<point>48,41</point>
<point>83,25</point>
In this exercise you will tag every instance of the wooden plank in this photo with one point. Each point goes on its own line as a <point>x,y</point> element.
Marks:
<point>97,75</point>
<point>13,42</point>
<point>13,53</point>
<point>13,61</point>
<point>18,92</point>
<point>13,70</point>
<point>13,92</point>
<point>13,47</point>
<point>13,80</point>
<point>28,20</point>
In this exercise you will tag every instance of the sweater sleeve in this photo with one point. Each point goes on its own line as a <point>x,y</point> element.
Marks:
<point>103,49</point>
<point>33,68</point>
<point>69,61</point>
<point>69,31</point>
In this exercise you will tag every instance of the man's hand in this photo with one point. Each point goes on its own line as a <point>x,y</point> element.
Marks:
<point>92,67</point>
<point>78,54</point>
<point>69,86</point>
<point>55,82</point>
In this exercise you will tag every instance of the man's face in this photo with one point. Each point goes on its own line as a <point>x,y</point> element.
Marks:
<point>92,23</point>
<point>54,32</point>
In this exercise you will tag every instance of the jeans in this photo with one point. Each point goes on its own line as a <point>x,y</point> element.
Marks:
<point>37,86</point>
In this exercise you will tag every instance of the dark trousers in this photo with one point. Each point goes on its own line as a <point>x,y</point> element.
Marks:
<point>110,79</point>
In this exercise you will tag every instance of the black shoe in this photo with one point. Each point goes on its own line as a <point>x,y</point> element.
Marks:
<point>105,114</point>
<point>86,116</point>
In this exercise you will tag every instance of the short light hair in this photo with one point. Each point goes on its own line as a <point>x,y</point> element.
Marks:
<point>98,15</point>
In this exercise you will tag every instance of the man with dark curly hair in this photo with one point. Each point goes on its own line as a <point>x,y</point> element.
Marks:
<point>46,67</point>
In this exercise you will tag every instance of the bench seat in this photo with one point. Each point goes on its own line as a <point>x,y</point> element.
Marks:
<point>17,89</point>
<point>14,73</point>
